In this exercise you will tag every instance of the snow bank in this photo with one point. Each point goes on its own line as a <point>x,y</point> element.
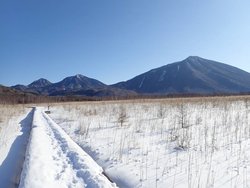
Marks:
<point>14,136</point>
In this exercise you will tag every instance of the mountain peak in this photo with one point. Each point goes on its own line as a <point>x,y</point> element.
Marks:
<point>42,80</point>
<point>79,76</point>
<point>76,83</point>
<point>193,58</point>
<point>75,77</point>
<point>191,75</point>
<point>39,83</point>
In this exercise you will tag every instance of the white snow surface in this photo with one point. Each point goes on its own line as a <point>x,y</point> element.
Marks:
<point>142,82</point>
<point>14,133</point>
<point>54,160</point>
<point>164,143</point>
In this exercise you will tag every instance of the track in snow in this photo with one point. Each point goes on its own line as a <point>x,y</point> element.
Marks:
<point>54,160</point>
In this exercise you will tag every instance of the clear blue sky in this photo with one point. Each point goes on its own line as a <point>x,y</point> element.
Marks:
<point>115,40</point>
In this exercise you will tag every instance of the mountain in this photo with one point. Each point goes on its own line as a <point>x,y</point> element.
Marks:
<point>12,96</point>
<point>36,87</point>
<point>73,84</point>
<point>20,87</point>
<point>80,85</point>
<point>97,92</point>
<point>192,75</point>
<point>8,91</point>
<point>67,85</point>
<point>39,83</point>
<point>77,82</point>
<point>26,89</point>
<point>77,85</point>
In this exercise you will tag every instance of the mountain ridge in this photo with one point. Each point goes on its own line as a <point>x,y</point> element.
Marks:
<point>42,82</point>
<point>193,75</point>
<point>78,85</point>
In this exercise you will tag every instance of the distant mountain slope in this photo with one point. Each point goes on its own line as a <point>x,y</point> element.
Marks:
<point>74,85</point>
<point>9,91</point>
<point>98,92</point>
<point>35,87</point>
<point>20,87</point>
<point>192,75</point>
<point>9,95</point>
<point>39,83</point>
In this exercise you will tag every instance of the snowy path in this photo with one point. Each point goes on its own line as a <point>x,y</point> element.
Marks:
<point>54,160</point>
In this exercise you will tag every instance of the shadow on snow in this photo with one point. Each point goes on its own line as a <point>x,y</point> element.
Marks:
<point>11,168</point>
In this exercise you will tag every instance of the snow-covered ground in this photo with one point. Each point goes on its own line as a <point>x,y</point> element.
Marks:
<point>15,121</point>
<point>54,160</point>
<point>164,143</point>
<point>139,143</point>
<point>35,152</point>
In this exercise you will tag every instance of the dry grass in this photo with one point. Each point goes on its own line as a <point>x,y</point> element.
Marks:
<point>198,131</point>
<point>7,112</point>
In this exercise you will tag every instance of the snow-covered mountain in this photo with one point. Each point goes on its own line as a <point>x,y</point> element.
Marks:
<point>36,87</point>
<point>77,82</point>
<point>39,83</point>
<point>192,75</point>
<point>66,86</point>
<point>73,85</point>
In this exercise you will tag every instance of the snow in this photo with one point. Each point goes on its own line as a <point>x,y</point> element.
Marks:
<point>54,160</point>
<point>200,142</point>
<point>162,76</point>
<point>164,143</point>
<point>142,82</point>
<point>14,133</point>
